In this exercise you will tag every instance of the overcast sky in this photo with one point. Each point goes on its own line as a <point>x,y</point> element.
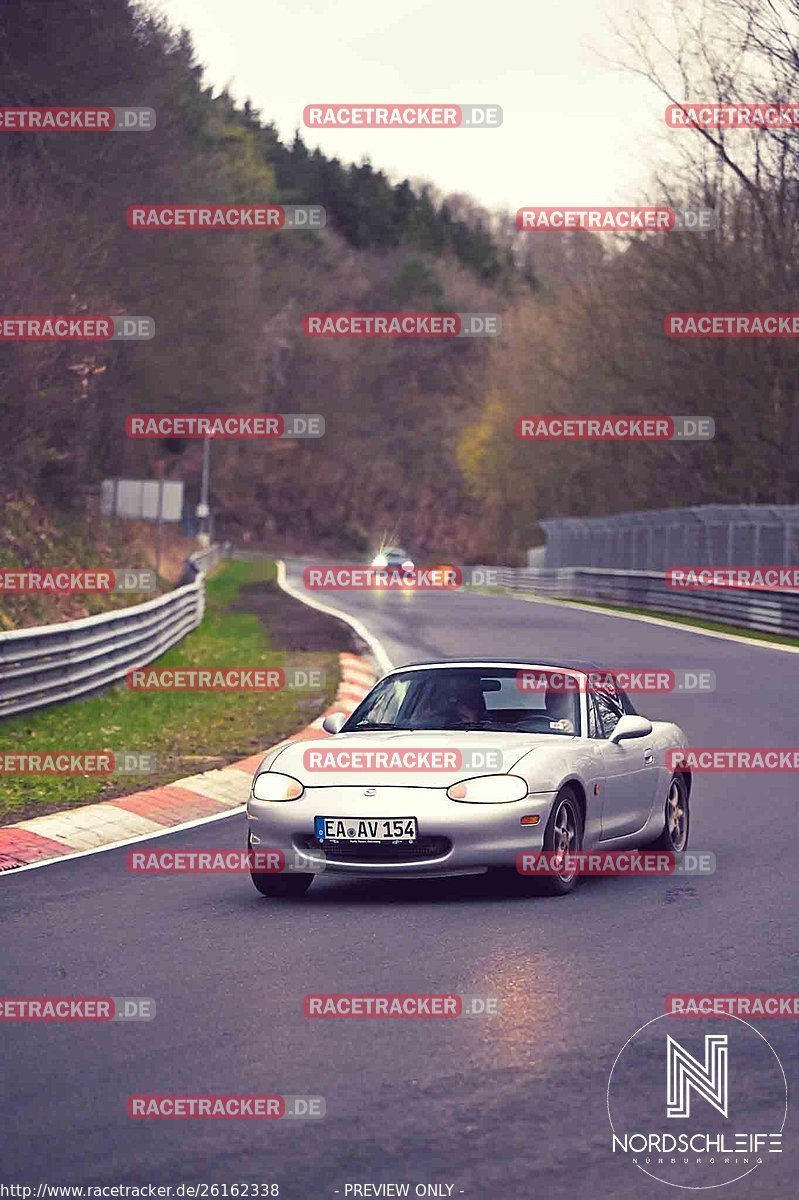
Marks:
<point>575,130</point>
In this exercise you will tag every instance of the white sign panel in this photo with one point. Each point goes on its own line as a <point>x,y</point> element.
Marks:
<point>138,499</point>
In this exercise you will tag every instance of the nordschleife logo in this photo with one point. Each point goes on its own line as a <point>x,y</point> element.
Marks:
<point>700,1111</point>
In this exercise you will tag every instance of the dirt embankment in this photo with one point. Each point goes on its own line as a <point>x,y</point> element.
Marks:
<point>293,625</point>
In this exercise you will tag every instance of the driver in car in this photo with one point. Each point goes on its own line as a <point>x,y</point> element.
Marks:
<point>560,709</point>
<point>459,701</point>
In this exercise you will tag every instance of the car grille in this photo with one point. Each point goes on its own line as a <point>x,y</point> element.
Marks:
<point>379,852</point>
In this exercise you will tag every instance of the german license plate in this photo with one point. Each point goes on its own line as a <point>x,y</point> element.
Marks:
<point>365,829</point>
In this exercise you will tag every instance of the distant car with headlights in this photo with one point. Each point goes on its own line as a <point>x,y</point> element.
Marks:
<point>453,768</point>
<point>393,556</point>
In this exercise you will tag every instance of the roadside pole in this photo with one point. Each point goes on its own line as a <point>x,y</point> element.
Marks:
<point>203,508</point>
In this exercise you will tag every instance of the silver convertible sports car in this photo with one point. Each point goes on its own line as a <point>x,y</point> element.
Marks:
<point>454,768</point>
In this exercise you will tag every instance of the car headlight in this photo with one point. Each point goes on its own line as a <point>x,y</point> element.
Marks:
<point>489,789</point>
<point>380,560</point>
<point>407,565</point>
<point>270,785</point>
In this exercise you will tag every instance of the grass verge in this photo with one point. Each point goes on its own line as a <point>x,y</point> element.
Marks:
<point>187,732</point>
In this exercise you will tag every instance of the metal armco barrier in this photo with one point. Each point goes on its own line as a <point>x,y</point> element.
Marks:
<point>48,663</point>
<point>203,561</point>
<point>751,608</point>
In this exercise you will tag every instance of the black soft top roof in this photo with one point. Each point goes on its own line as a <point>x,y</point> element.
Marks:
<point>572,664</point>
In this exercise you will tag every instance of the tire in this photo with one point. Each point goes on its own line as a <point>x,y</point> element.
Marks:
<point>564,831</point>
<point>280,887</point>
<point>677,818</point>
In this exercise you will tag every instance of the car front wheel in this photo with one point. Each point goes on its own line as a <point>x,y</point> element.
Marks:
<point>563,835</point>
<point>677,821</point>
<point>280,886</point>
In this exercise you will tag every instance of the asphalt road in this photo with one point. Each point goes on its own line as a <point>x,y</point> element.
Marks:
<point>513,1105</point>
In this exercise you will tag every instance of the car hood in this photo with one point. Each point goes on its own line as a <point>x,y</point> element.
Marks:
<point>353,758</point>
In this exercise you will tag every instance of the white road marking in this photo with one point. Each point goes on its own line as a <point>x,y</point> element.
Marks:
<point>615,612</point>
<point>164,831</point>
<point>373,642</point>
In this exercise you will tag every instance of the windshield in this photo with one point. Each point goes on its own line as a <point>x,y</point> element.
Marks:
<point>492,698</point>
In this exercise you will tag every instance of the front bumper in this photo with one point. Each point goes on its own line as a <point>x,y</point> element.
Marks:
<point>454,838</point>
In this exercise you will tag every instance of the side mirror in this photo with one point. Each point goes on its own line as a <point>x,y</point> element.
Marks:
<point>630,727</point>
<point>334,722</point>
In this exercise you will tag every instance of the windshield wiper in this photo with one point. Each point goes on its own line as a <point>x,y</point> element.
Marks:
<point>369,725</point>
<point>467,726</point>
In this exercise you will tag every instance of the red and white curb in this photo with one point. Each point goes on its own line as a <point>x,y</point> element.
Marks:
<point>186,802</point>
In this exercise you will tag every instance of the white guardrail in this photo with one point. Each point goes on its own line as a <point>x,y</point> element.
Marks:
<point>767,611</point>
<point>48,663</point>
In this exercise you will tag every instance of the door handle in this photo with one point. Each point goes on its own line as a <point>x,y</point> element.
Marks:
<point>649,757</point>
